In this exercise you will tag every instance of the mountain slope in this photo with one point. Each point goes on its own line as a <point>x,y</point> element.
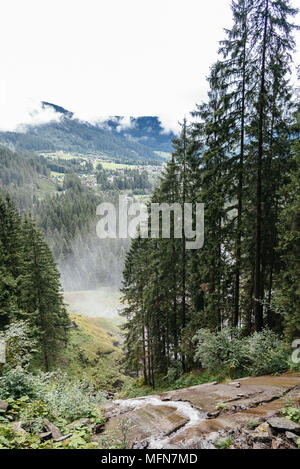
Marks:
<point>138,140</point>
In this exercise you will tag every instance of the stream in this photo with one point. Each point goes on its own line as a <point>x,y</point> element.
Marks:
<point>184,409</point>
<point>189,418</point>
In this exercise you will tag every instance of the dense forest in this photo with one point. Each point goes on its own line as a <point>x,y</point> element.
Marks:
<point>69,223</point>
<point>30,286</point>
<point>240,157</point>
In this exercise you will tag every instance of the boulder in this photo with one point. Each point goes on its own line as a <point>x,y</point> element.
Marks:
<point>236,384</point>
<point>282,424</point>
<point>45,436</point>
<point>17,427</point>
<point>213,415</point>
<point>84,422</point>
<point>50,427</point>
<point>260,437</point>
<point>3,407</point>
<point>292,436</point>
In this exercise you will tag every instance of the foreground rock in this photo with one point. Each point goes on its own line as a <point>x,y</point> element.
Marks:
<point>283,424</point>
<point>3,406</point>
<point>51,428</point>
<point>187,418</point>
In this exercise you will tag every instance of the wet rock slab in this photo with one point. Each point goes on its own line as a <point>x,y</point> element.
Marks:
<point>148,421</point>
<point>179,418</point>
<point>250,393</point>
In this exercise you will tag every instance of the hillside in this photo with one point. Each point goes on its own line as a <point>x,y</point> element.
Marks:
<point>26,178</point>
<point>141,140</point>
<point>94,351</point>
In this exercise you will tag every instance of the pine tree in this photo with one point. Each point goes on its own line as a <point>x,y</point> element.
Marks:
<point>11,261</point>
<point>235,76</point>
<point>42,298</point>
<point>287,298</point>
<point>271,39</point>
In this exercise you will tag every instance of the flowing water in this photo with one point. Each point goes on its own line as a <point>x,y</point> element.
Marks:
<point>185,409</point>
<point>185,418</point>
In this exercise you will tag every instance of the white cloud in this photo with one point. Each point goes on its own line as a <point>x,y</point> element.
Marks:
<point>104,58</point>
<point>125,123</point>
<point>17,112</point>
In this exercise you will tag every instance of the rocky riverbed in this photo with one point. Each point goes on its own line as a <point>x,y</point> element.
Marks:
<point>240,414</point>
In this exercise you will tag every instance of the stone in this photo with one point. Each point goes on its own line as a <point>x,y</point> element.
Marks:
<point>263,427</point>
<point>260,446</point>
<point>84,422</point>
<point>98,428</point>
<point>213,415</point>
<point>235,384</point>
<point>293,437</point>
<point>50,427</point>
<point>62,438</point>
<point>276,443</point>
<point>283,424</point>
<point>17,427</point>
<point>157,418</point>
<point>45,436</point>
<point>3,406</point>
<point>260,437</point>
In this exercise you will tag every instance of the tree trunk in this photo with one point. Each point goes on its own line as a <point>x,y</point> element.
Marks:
<point>258,313</point>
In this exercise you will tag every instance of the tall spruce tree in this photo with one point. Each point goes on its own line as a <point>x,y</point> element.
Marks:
<point>42,300</point>
<point>272,43</point>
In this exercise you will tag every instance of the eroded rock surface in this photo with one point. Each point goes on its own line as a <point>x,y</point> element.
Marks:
<point>187,418</point>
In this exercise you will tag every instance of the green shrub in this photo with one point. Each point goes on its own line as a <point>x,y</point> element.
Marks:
<point>16,382</point>
<point>291,413</point>
<point>253,424</point>
<point>227,352</point>
<point>267,353</point>
<point>20,346</point>
<point>67,399</point>
<point>174,372</point>
<point>224,443</point>
<point>221,406</point>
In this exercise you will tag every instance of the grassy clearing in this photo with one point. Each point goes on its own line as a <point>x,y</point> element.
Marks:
<point>113,166</point>
<point>46,187</point>
<point>94,351</point>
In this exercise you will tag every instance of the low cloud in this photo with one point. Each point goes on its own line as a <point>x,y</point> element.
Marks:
<point>125,123</point>
<point>170,124</point>
<point>17,115</point>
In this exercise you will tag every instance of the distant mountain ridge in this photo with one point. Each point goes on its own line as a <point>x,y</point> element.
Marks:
<point>133,138</point>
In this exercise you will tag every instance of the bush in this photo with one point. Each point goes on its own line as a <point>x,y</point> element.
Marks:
<point>267,353</point>
<point>20,346</point>
<point>221,351</point>
<point>16,382</point>
<point>174,372</point>
<point>228,352</point>
<point>67,399</point>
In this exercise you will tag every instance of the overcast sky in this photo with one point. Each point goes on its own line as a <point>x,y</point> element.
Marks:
<point>108,57</point>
